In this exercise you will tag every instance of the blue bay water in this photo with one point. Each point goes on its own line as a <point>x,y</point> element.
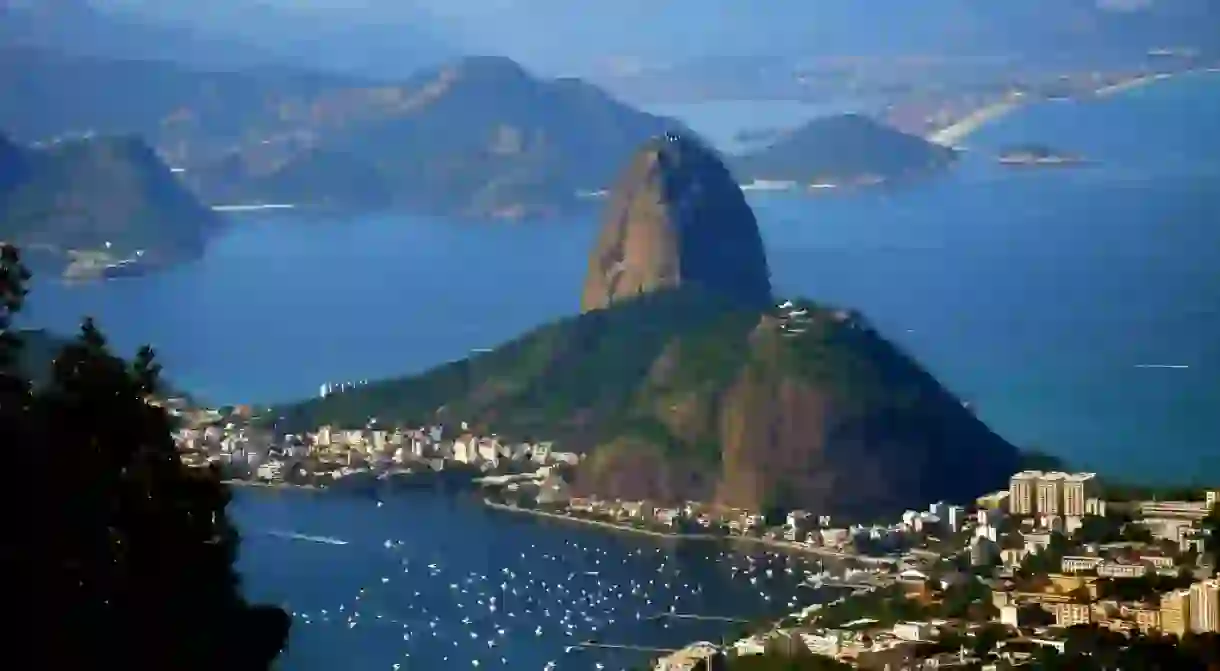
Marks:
<point>432,582</point>
<point>1031,293</point>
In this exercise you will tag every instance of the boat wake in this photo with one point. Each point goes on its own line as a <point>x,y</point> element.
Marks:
<point>1176,366</point>
<point>292,535</point>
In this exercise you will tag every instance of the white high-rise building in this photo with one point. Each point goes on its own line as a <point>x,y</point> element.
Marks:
<point>1050,494</point>
<point>1021,490</point>
<point>1078,488</point>
<point>1205,606</point>
<point>955,516</point>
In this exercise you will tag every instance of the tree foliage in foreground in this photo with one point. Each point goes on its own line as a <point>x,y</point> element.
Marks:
<point>115,555</point>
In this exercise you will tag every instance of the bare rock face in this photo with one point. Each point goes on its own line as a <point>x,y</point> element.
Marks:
<point>677,219</point>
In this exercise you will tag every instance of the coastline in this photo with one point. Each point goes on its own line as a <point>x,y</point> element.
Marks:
<point>744,540</point>
<point>972,121</point>
<point>269,485</point>
<point>955,132</point>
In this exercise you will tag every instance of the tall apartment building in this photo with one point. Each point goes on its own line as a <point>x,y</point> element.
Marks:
<point>1175,612</point>
<point>1021,488</point>
<point>1205,606</point>
<point>1052,494</point>
<point>1078,488</point>
<point>1049,494</point>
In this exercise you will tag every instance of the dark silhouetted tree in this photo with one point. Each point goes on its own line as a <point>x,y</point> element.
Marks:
<point>120,555</point>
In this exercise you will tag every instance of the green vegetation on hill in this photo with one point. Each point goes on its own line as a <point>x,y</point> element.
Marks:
<point>542,383</point>
<point>841,148</point>
<point>700,398</point>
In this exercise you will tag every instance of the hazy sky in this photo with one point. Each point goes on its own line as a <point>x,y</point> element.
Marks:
<point>552,35</point>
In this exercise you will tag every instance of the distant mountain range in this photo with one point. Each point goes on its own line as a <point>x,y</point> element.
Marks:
<point>479,136</point>
<point>98,201</point>
<point>216,35</point>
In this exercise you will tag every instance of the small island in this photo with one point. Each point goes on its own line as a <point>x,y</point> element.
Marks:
<point>1037,154</point>
<point>841,150</point>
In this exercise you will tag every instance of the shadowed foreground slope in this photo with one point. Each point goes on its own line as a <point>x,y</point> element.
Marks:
<point>115,555</point>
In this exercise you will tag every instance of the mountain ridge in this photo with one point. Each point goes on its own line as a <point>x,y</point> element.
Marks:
<point>482,136</point>
<point>107,197</point>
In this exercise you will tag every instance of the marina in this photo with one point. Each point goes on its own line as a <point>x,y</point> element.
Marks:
<point>504,591</point>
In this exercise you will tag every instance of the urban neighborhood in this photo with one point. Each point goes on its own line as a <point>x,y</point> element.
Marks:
<point>1050,563</point>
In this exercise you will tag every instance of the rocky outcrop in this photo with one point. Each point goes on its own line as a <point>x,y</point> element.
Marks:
<point>683,380</point>
<point>833,420</point>
<point>677,219</point>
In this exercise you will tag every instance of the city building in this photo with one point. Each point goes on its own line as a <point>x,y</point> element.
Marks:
<point>1021,488</point>
<point>1049,494</point>
<point>1078,488</point>
<point>1071,614</point>
<point>1053,494</point>
<point>1205,606</point>
<point>955,518</point>
<point>688,658</point>
<point>914,631</point>
<point>1175,612</point>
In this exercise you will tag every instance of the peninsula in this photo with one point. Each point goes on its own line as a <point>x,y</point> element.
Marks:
<point>686,379</point>
<point>96,206</point>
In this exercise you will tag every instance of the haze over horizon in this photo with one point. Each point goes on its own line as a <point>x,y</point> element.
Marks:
<point>386,39</point>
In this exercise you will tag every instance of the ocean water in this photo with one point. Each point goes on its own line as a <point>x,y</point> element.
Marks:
<point>432,582</point>
<point>1033,293</point>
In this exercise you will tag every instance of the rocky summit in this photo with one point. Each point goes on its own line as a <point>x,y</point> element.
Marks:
<point>677,219</point>
<point>684,380</point>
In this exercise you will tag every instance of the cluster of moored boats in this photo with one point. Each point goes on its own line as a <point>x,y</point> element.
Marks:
<point>539,608</point>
